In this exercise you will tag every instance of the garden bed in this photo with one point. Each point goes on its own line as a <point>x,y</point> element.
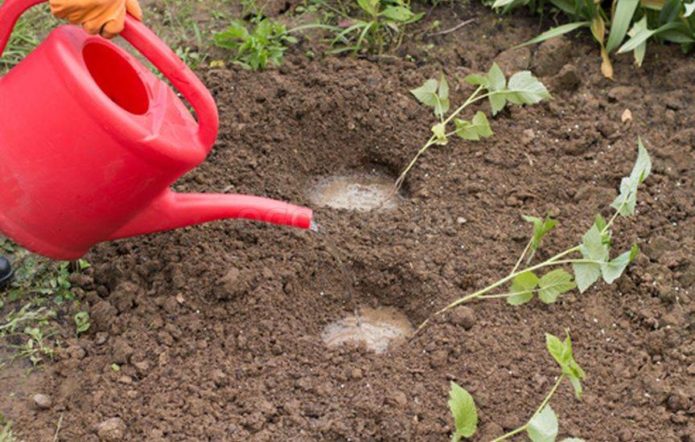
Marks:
<point>217,330</point>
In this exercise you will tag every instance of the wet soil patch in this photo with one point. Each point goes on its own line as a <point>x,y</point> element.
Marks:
<point>218,329</point>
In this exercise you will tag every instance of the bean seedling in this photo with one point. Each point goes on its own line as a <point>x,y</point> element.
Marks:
<point>82,323</point>
<point>593,263</point>
<point>522,88</point>
<point>543,425</point>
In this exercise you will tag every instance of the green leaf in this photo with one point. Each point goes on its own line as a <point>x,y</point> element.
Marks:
<point>642,36</point>
<point>624,13</point>
<point>439,131</point>
<point>82,322</point>
<point>689,9</point>
<point>369,6</point>
<point>543,427</point>
<point>626,201</point>
<point>641,49</point>
<point>592,245</point>
<point>600,222</point>
<point>463,409</point>
<point>496,85</point>
<point>501,3</point>
<point>592,248</point>
<point>540,229</point>
<point>553,284</point>
<point>522,287</point>
<point>427,93</point>
<point>524,88</point>
<point>669,12</point>
<point>434,94</point>
<point>614,268</point>
<point>398,13</point>
<point>556,32</point>
<point>477,80</point>
<point>562,353</point>
<point>478,128</point>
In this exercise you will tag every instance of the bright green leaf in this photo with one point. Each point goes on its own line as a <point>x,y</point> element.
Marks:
<point>642,36</point>
<point>586,274</point>
<point>543,427</point>
<point>501,3</point>
<point>626,201</point>
<point>622,18</point>
<point>473,130</point>
<point>522,287</point>
<point>615,267</point>
<point>463,409</point>
<point>497,87</point>
<point>562,353</point>
<point>369,6</point>
<point>592,245</point>
<point>540,229</point>
<point>439,131</point>
<point>556,32</point>
<point>427,93</point>
<point>443,90</point>
<point>477,80</point>
<point>689,9</point>
<point>553,284</point>
<point>398,13</point>
<point>524,88</point>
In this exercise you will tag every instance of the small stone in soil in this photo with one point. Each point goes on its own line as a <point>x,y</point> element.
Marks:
<point>111,429</point>
<point>464,317</point>
<point>42,401</point>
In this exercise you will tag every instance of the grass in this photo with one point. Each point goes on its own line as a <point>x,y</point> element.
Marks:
<point>31,307</point>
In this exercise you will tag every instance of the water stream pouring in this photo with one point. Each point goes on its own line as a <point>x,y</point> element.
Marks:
<point>91,141</point>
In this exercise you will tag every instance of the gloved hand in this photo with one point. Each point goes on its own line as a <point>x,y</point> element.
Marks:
<point>104,17</point>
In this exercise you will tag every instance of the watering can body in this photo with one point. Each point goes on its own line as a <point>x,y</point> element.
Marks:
<point>91,141</point>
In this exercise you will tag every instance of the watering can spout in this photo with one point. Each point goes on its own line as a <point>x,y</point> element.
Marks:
<point>174,210</point>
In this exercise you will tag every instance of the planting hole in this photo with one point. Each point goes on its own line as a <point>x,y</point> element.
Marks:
<point>376,328</point>
<point>361,192</point>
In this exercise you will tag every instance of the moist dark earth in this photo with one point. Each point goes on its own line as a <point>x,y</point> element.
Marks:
<point>217,328</point>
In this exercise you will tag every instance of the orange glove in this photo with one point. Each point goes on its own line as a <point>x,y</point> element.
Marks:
<point>104,17</point>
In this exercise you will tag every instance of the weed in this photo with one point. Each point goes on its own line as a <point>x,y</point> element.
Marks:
<point>26,36</point>
<point>522,88</point>
<point>382,25</point>
<point>591,259</point>
<point>265,44</point>
<point>543,424</point>
<point>662,20</point>
<point>6,430</point>
<point>82,322</point>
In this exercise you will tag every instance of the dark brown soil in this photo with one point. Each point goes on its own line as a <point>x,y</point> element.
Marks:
<point>217,329</point>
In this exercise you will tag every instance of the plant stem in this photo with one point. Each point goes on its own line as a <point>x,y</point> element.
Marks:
<point>538,410</point>
<point>550,395</point>
<point>471,99</point>
<point>512,433</point>
<point>401,179</point>
<point>555,260</point>
<point>521,258</point>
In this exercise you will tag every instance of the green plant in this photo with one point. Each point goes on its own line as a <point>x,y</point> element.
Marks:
<point>265,44</point>
<point>640,20</point>
<point>26,36</point>
<point>592,263</point>
<point>522,88</point>
<point>382,25</point>
<point>6,430</point>
<point>82,322</point>
<point>543,424</point>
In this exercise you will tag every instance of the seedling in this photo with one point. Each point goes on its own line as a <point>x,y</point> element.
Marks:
<point>590,260</point>
<point>264,44</point>
<point>383,25</point>
<point>543,424</point>
<point>522,88</point>
<point>82,322</point>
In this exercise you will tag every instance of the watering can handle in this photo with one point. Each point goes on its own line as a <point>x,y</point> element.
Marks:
<point>158,53</point>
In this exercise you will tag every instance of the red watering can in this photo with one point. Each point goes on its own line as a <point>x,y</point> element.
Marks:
<point>91,140</point>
